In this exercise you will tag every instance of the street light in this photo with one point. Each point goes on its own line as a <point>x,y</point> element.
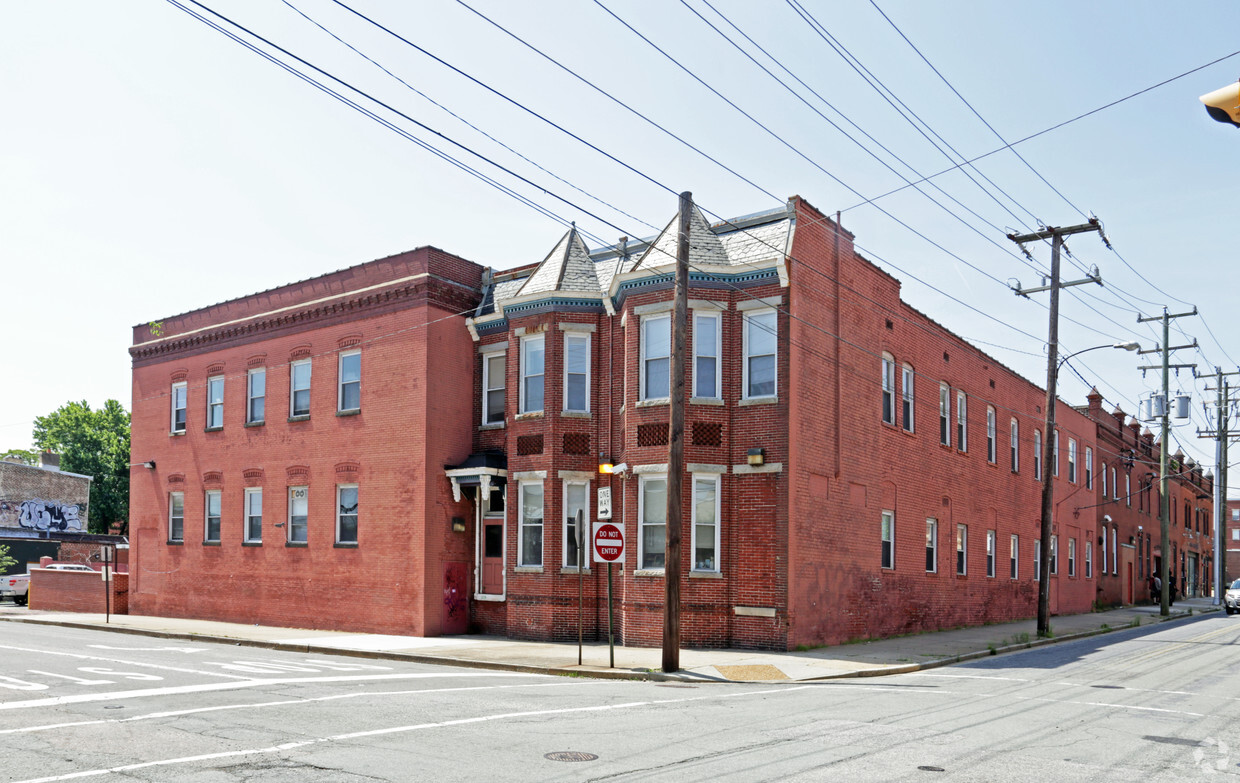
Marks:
<point>1048,487</point>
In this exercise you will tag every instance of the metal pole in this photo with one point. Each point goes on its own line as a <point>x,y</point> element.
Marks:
<point>611,638</point>
<point>581,548</point>
<point>107,588</point>
<point>1164,505</point>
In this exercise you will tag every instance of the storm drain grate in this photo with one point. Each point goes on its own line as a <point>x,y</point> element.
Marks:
<point>569,755</point>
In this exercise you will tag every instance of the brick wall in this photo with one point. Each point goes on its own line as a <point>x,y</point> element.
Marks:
<point>22,483</point>
<point>77,591</point>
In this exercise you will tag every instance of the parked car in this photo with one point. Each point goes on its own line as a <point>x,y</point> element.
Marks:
<point>68,567</point>
<point>15,586</point>
<point>1231,600</point>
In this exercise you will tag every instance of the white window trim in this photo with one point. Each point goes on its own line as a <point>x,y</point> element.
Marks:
<point>288,535</point>
<point>245,515</point>
<point>357,533</point>
<point>962,420</point>
<point>1114,557</point>
<point>1089,468</point>
<point>992,435</point>
<point>887,517</point>
<point>486,385</point>
<point>1037,560</point>
<point>646,322</point>
<point>172,414</point>
<point>1114,485</point>
<point>1015,445</point>
<point>206,515</point>
<point>641,517</point>
<point>521,524</point>
<point>210,381</point>
<point>1014,556</point>
<point>1055,555</point>
<point>1072,460</point>
<point>564,523</point>
<point>945,415</point>
<point>888,387</point>
<point>745,357</point>
<point>292,389</point>
<point>172,497</point>
<point>340,380</point>
<point>711,315</point>
<point>1089,559</point>
<point>1072,557</point>
<point>1128,490</point>
<point>992,553</point>
<point>527,340</point>
<point>1103,547</point>
<point>577,337</point>
<point>908,397</point>
<point>1104,481</point>
<point>250,396</point>
<point>713,478</point>
<point>932,543</point>
<point>1055,456</point>
<point>962,547</point>
<point>1037,455</point>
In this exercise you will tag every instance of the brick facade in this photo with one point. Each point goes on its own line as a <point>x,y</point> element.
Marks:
<point>39,500</point>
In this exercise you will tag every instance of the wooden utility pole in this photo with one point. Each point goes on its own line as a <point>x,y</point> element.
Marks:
<point>1056,236</point>
<point>1221,435</point>
<point>676,445</point>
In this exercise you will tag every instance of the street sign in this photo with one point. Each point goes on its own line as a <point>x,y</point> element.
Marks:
<point>608,543</point>
<point>604,502</point>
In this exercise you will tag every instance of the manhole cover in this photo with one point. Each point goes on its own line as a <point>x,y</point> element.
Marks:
<point>569,755</point>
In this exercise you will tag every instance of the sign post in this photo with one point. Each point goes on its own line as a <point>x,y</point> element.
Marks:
<point>582,542</point>
<point>609,548</point>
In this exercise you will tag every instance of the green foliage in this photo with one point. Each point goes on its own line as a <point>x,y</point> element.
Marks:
<point>6,562</point>
<point>92,443</point>
<point>24,456</point>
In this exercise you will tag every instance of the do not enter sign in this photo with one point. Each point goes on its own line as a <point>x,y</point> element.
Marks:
<point>608,543</point>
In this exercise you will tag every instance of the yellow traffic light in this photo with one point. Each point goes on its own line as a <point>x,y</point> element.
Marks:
<point>1224,104</point>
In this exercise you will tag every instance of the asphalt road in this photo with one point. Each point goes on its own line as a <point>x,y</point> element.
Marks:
<point>1153,704</point>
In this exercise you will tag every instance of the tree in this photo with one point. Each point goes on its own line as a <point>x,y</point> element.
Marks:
<point>96,444</point>
<point>6,562</point>
<point>24,456</point>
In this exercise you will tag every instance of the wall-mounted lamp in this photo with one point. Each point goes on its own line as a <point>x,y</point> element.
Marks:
<point>149,465</point>
<point>756,457</point>
<point>604,465</point>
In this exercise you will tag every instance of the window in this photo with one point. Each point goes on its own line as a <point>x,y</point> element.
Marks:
<point>176,517</point>
<point>298,514</point>
<point>889,389</point>
<point>215,402</point>
<point>992,447</point>
<point>533,360</point>
<point>493,377</point>
<point>1114,542</point>
<point>1104,481</point>
<point>706,523</point>
<point>349,395</point>
<point>652,513</point>
<point>531,524</point>
<point>1014,556</point>
<point>1089,468</point>
<point>656,357</point>
<point>1128,490</point>
<point>1037,455</point>
<point>906,395</point>
<point>1089,559</point>
<point>576,372</point>
<point>945,415</point>
<point>706,368</point>
<point>575,493</point>
<point>1054,554</point>
<point>932,545</point>
<point>178,407</point>
<point>1071,557</point>
<point>1037,560</point>
<point>299,388</point>
<point>1055,455</point>
<point>888,535</point>
<point>962,544</point>
<point>256,396</point>
<point>211,510</point>
<point>990,552</point>
<point>346,514</point>
<point>1103,548</point>
<point>962,419</point>
<point>253,515</point>
<point>1114,486</point>
<point>1015,446</point>
<point>759,369</point>
<point>1072,460</point>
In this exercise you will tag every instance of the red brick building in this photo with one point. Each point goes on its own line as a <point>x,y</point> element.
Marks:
<point>1231,542</point>
<point>853,468</point>
<point>1129,531</point>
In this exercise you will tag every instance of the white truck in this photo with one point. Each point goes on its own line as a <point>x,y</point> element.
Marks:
<point>15,586</point>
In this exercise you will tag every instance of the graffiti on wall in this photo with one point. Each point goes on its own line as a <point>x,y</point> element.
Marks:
<point>39,514</point>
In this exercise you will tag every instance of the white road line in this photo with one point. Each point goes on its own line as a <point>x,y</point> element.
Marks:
<point>176,690</point>
<point>398,729</point>
<point>1106,704</point>
<point>106,659</point>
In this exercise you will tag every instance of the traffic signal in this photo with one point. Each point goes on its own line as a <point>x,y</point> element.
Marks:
<point>1224,104</point>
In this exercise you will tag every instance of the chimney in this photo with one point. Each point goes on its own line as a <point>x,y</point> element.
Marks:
<point>49,461</point>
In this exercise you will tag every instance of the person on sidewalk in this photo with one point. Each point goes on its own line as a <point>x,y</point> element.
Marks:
<point>1155,589</point>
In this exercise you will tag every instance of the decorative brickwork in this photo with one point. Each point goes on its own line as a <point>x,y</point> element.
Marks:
<point>576,443</point>
<point>707,433</point>
<point>652,434</point>
<point>529,444</point>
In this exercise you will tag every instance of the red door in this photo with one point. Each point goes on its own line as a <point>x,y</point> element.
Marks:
<point>493,556</point>
<point>455,598</point>
<point>1128,583</point>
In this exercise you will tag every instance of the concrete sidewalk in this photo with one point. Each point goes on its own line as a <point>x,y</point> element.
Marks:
<point>860,659</point>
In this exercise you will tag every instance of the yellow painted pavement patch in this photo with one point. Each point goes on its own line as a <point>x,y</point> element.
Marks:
<point>750,673</point>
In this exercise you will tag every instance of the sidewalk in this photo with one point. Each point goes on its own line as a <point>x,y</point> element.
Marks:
<point>861,659</point>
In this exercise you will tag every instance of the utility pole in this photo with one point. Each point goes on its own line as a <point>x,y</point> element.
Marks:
<point>1164,502</point>
<point>1056,236</point>
<point>1222,436</point>
<point>676,445</point>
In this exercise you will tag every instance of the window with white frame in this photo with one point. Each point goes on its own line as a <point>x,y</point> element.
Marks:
<point>962,549</point>
<point>253,515</point>
<point>1128,490</point>
<point>906,396</point>
<point>299,388</point>
<point>211,514</point>
<point>962,421</point>
<point>1055,454</point>
<point>1089,559</point>
<point>575,495</point>
<point>706,364</point>
<point>1089,468</point>
<point>1114,485</point>
<point>1103,548</point>
<point>179,390</point>
<point>176,517</point>
<point>889,389</point>
<point>1054,555</point>
<point>945,414</point>
<point>656,357</point>
<point>531,533</point>
<point>1114,544</point>
<point>349,393</point>
<point>932,546</point>
<point>1037,455</point>
<point>760,353</point>
<point>215,402</point>
<point>1072,460</point>
<point>256,395</point>
<point>887,533</point>
<point>1015,445</point>
<point>1071,557</point>
<point>533,365</point>
<point>1104,481</point>
<point>1014,556</point>
<point>576,372</point>
<point>706,522</point>
<point>346,514</point>
<point>298,514</point>
<point>991,555</point>
<point>494,375</point>
<point>992,446</point>
<point>1037,560</point>
<point>652,513</point>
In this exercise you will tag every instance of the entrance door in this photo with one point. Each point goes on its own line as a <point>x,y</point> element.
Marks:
<point>1128,583</point>
<point>1191,587</point>
<point>492,556</point>
<point>455,598</point>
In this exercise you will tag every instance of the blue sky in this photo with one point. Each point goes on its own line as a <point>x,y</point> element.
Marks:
<point>153,166</point>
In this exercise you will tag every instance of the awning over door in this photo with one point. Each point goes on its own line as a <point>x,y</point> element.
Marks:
<point>484,470</point>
